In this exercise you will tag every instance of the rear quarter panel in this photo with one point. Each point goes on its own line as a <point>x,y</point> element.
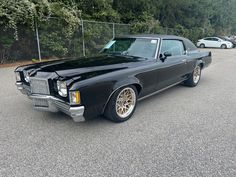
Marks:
<point>199,58</point>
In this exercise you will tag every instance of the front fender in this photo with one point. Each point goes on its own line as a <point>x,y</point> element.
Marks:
<point>96,95</point>
<point>129,81</point>
<point>200,62</point>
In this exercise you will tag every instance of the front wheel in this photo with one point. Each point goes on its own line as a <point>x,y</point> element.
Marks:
<point>122,104</point>
<point>195,77</point>
<point>223,46</point>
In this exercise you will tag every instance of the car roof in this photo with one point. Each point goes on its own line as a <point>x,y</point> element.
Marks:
<point>212,37</point>
<point>188,43</point>
<point>152,36</point>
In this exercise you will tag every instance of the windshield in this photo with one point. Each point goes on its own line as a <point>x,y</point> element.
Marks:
<point>223,38</point>
<point>144,48</point>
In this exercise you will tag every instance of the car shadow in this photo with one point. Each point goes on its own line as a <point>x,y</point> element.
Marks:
<point>60,117</point>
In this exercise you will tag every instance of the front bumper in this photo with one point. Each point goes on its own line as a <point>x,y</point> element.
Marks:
<point>53,104</point>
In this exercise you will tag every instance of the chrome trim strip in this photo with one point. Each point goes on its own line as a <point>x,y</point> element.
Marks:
<point>142,98</point>
<point>154,93</point>
<point>19,85</point>
<point>24,89</point>
<point>47,97</point>
<point>157,48</point>
<point>161,41</point>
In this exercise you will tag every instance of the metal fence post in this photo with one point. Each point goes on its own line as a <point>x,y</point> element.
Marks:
<point>166,30</point>
<point>82,25</point>
<point>113,30</point>
<point>38,43</point>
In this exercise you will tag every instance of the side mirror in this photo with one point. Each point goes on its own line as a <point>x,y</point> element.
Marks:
<point>164,56</point>
<point>167,54</point>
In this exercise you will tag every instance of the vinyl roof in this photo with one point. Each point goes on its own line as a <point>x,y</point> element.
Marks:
<point>188,44</point>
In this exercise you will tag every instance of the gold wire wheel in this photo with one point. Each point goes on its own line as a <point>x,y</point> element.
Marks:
<point>125,102</point>
<point>196,74</point>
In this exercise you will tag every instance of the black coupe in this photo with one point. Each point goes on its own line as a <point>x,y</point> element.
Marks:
<point>128,69</point>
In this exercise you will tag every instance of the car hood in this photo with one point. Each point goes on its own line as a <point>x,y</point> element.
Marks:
<point>88,66</point>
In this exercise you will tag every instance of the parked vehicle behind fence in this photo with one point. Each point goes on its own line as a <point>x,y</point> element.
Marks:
<point>229,39</point>
<point>214,42</point>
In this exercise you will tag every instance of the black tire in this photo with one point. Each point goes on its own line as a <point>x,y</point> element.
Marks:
<point>202,45</point>
<point>223,46</point>
<point>111,108</point>
<point>192,82</point>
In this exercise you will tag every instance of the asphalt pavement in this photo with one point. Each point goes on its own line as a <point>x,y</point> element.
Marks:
<point>179,132</point>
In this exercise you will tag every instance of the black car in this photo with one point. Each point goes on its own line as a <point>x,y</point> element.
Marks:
<point>128,69</point>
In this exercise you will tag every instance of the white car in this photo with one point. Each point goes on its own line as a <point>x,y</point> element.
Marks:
<point>214,42</point>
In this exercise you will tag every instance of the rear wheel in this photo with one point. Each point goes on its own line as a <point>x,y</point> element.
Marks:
<point>223,46</point>
<point>122,104</point>
<point>202,45</point>
<point>194,77</point>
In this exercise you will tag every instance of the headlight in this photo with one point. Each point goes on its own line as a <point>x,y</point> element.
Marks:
<point>18,78</point>
<point>26,76</point>
<point>75,97</point>
<point>62,88</point>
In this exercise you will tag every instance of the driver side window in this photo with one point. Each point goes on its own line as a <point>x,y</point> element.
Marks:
<point>175,47</point>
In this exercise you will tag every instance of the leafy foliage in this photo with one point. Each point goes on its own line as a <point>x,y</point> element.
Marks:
<point>61,31</point>
<point>211,17</point>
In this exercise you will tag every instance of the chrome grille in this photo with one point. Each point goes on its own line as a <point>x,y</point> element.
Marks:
<point>40,103</point>
<point>39,86</point>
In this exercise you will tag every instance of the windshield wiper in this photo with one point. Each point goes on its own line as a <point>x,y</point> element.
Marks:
<point>126,55</point>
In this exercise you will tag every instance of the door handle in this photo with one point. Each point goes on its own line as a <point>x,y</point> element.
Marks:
<point>184,60</point>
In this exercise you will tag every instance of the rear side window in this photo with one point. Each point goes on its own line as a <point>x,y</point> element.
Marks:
<point>175,47</point>
<point>189,45</point>
<point>208,39</point>
<point>215,39</point>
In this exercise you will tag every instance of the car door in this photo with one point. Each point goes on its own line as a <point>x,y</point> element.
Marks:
<point>173,68</point>
<point>216,42</point>
<point>209,42</point>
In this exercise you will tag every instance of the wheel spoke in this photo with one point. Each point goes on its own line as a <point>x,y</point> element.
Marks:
<point>125,102</point>
<point>196,74</point>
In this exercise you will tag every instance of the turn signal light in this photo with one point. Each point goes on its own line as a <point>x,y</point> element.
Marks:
<point>75,97</point>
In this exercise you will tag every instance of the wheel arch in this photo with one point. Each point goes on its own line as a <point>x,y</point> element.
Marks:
<point>200,63</point>
<point>202,44</point>
<point>131,81</point>
<point>224,44</point>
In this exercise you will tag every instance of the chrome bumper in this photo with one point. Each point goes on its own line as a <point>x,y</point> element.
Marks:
<point>54,104</point>
<point>23,88</point>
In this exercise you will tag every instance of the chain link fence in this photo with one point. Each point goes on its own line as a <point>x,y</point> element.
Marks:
<point>96,34</point>
<point>193,34</point>
<point>13,50</point>
<point>87,39</point>
<point>52,40</point>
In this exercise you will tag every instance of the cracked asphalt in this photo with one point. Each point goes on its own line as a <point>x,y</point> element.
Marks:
<point>179,132</point>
